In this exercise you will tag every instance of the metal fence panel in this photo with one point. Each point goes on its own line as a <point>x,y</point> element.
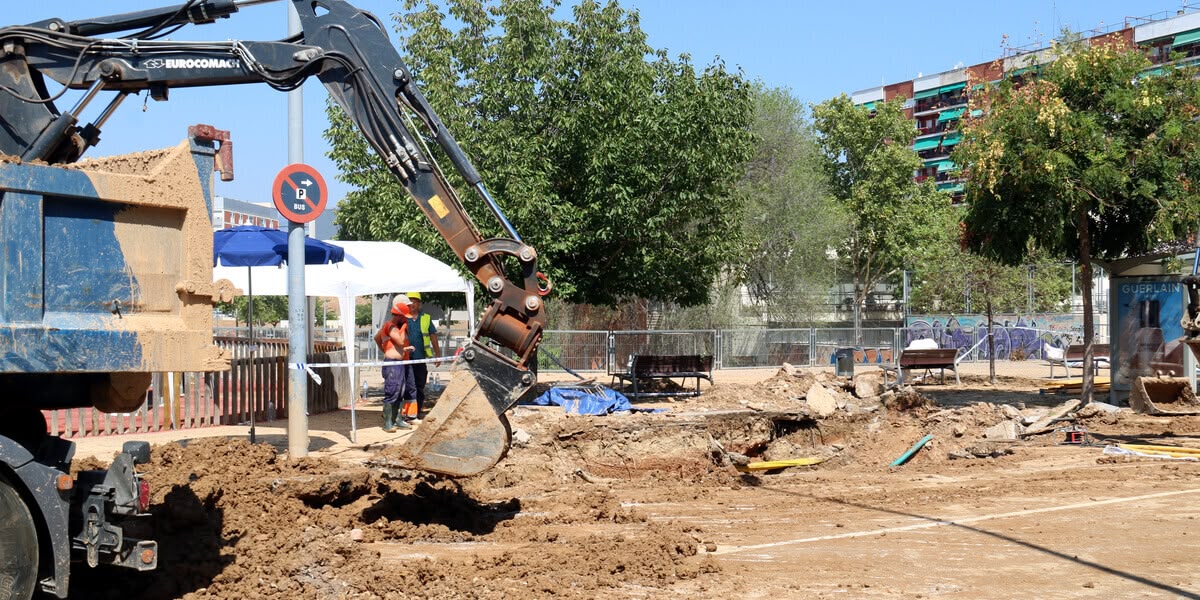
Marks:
<point>757,348</point>
<point>1012,342</point>
<point>578,350</point>
<point>875,345</point>
<point>623,344</point>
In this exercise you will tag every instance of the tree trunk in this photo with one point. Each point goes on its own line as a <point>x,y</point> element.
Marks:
<point>1085,270</point>
<point>991,343</point>
<point>859,298</point>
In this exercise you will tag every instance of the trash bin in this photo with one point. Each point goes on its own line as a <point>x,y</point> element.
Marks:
<point>845,362</point>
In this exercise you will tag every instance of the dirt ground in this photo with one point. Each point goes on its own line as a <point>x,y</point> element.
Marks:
<point>653,505</point>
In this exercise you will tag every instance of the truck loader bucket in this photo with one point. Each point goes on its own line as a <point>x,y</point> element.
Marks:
<point>1166,396</point>
<point>467,433</point>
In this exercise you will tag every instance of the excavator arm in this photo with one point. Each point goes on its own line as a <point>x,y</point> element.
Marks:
<point>349,52</point>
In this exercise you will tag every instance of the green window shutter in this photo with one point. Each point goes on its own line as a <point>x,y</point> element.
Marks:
<point>950,114</point>
<point>977,113</point>
<point>952,139</point>
<point>952,188</point>
<point>1188,37</point>
<point>946,89</point>
<point>925,94</point>
<point>927,144</point>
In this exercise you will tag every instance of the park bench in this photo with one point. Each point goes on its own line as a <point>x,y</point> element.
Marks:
<point>1072,357</point>
<point>649,367</point>
<point>927,359</point>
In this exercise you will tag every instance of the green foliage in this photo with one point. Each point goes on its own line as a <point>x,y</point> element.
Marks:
<point>789,222</point>
<point>945,275</point>
<point>322,312</point>
<point>1090,151</point>
<point>617,163</point>
<point>362,315</point>
<point>869,162</point>
<point>268,310</point>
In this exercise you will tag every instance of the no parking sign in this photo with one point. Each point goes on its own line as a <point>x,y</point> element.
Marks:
<point>299,193</point>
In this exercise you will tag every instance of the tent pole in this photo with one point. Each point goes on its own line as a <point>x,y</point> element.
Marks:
<point>250,333</point>
<point>346,302</point>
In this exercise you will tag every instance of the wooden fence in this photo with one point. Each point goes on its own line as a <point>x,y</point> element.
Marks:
<point>256,383</point>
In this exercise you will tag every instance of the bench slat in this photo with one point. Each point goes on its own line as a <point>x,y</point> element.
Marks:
<point>654,366</point>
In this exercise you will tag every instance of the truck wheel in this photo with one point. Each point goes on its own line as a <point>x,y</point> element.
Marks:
<point>18,546</point>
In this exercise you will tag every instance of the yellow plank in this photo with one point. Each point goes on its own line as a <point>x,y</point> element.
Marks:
<point>1173,450</point>
<point>1077,381</point>
<point>780,464</point>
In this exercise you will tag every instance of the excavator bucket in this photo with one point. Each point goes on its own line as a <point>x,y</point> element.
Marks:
<point>467,433</point>
<point>1166,396</point>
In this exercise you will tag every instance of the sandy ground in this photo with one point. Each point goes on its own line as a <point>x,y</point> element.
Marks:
<point>651,505</point>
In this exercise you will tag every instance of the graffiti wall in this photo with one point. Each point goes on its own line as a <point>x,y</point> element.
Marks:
<point>1020,335</point>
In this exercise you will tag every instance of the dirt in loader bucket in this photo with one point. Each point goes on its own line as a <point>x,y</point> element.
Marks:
<point>1163,396</point>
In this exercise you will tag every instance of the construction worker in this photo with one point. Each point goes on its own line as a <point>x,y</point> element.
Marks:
<point>424,338</point>
<point>392,339</point>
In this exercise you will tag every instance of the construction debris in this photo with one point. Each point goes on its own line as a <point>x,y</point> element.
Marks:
<point>821,401</point>
<point>1006,431</point>
<point>972,452</point>
<point>868,385</point>
<point>1046,423</point>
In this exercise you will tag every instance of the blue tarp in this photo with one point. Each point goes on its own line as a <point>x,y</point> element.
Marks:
<point>590,401</point>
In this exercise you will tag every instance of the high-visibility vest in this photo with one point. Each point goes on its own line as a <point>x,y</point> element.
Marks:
<point>425,322</point>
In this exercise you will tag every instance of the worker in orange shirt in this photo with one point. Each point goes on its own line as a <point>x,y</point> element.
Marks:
<point>398,386</point>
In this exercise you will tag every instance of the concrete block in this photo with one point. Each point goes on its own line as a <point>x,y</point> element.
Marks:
<point>822,402</point>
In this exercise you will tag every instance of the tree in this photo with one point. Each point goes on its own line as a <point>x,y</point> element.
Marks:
<point>963,282</point>
<point>362,315</point>
<point>1092,159</point>
<point>268,310</point>
<point>617,163</point>
<point>789,223</point>
<point>869,162</point>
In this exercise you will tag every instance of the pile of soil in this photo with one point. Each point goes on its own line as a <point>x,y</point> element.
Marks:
<point>235,520</point>
<point>563,515</point>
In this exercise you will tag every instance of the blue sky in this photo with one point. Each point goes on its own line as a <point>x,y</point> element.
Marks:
<point>815,49</point>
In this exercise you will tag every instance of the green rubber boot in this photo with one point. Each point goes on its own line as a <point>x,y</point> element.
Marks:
<point>390,410</point>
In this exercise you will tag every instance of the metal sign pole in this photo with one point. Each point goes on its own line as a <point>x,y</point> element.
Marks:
<point>297,307</point>
<point>297,345</point>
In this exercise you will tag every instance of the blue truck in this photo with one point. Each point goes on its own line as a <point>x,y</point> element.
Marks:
<point>106,279</point>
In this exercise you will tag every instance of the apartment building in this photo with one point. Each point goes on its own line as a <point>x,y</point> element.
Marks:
<point>230,212</point>
<point>938,102</point>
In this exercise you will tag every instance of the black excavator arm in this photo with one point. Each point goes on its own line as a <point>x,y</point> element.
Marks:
<point>349,52</point>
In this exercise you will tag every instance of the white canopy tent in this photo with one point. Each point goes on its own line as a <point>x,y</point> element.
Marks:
<point>370,268</point>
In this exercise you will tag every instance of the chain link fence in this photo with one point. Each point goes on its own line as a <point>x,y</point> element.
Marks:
<point>610,351</point>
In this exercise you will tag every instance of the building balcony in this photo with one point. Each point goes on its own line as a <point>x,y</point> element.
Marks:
<point>923,107</point>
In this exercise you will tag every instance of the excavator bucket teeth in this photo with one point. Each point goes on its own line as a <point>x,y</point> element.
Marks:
<point>467,433</point>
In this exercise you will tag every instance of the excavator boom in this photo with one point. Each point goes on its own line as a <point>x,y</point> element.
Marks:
<point>349,52</point>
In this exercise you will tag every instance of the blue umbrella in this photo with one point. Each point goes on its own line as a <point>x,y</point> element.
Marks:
<point>249,246</point>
